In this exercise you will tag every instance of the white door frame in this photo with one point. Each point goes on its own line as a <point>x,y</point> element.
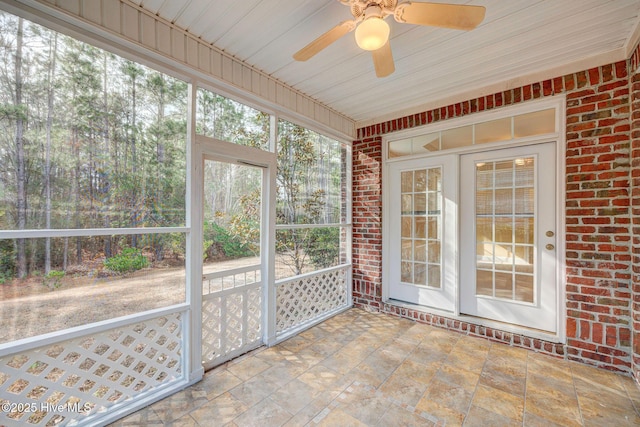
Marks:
<point>209,148</point>
<point>542,313</point>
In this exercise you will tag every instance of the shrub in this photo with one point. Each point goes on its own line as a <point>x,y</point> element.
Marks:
<point>231,245</point>
<point>324,246</point>
<point>130,259</point>
<point>53,279</point>
<point>7,261</point>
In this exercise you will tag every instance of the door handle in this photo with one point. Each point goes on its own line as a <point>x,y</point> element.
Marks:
<point>550,247</point>
<point>549,233</point>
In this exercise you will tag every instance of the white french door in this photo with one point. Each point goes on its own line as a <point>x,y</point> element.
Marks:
<point>422,236</point>
<point>508,268</point>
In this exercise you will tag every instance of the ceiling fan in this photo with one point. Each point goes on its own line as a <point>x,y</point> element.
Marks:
<point>372,32</point>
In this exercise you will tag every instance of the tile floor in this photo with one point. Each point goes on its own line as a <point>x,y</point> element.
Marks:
<point>364,369</point>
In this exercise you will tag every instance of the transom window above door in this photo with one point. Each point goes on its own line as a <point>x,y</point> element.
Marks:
<point>508,128</point>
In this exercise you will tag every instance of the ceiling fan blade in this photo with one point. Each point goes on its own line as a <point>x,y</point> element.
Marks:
<point>455,16</point>
<point>324,40</point>
<point>383,60</point>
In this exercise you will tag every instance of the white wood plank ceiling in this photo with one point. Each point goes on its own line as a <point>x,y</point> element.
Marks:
<point>519,42</point>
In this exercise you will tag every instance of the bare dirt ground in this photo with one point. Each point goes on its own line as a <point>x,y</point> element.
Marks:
<point>29,308</point>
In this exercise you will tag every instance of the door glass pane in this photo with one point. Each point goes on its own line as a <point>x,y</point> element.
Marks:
<point>504,223</point>
<point>421,227</point>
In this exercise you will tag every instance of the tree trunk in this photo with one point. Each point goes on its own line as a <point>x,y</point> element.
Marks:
<point>159,240</point>
<point>134,162</point>
<point>106,175</point>
<point>76,149</point>
<point>21,195</point>
<point>47,166</point>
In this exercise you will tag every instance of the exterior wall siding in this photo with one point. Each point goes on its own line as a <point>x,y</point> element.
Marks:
<point>598,215</point>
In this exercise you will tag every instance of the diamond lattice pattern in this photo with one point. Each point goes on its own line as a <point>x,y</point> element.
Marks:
<point>231,322</point>
<point>77,380</point>
<point>304,299</point>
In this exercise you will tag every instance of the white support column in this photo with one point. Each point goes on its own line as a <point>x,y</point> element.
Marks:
<point>193,199</point>
<point>269,239</point>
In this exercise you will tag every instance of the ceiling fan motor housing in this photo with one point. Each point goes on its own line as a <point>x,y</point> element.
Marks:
<point>363,9</point>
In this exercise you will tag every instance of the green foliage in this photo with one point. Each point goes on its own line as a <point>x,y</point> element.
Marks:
<point>223,244</point>
<point>244,226</point>
<point>53,279</point>
<point>130,259</point>
<point>324,246</point>
<point>7,261</point>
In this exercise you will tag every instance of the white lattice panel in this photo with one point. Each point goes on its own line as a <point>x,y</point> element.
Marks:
<point>231,323</point>
<point>305,298</point>
<point>75,381</point>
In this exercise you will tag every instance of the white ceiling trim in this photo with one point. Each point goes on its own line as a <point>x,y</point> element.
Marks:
<point>633,39</point>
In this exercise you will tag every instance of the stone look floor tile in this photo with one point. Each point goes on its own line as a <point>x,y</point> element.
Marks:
<point>551,385</point>
<point>428,353</point>
<point>504,363</point>
<point>599,413</point>
<point>296,343</point>
<point>499,402</point>
<point>458,376</point>
<point>363,403</point>
<point>222,409</point>
<point>561,409</point>
<point>480,417</point>
<point>218,382</point>
<point>498,379</point>
<point>248,367</point>
<point>334,418</point>
<point>185,421</point>
<point>403,390</point>
<point>450,396</point>
<point>281,373</point>
<point>532,420</point>
<point>449,416</point>
<point>267,413</point>
<point>253,390</point>
<point>472,360</point>
<point>341,362</point>
<point>418,371</point>
<point>294,396</point>
<point>369,369</point>
<point>320,377</point>
<point>401,417</point>
<point>144,417</point>
<point>549,367</point>
<point>179,404</point>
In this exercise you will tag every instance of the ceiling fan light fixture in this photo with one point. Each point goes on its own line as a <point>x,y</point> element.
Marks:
<point>372,33</point>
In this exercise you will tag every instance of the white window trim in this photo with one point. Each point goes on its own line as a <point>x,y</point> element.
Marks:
<point>557,102</point>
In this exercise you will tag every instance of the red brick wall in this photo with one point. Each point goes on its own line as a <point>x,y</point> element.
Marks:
<point>598,270</point>
<point>635,209</point>
<point>635,215</point>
